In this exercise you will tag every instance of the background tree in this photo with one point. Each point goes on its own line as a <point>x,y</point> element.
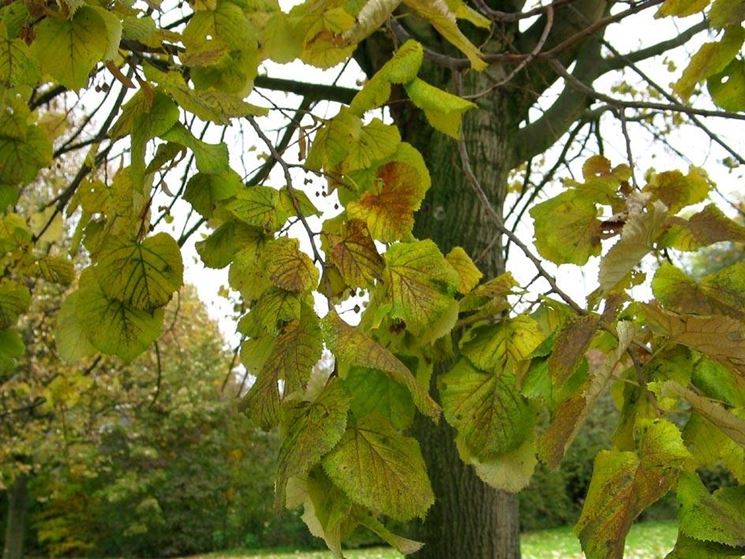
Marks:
<point>491,357</point>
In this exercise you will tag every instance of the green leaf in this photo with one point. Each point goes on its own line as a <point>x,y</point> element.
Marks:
<point>510,471</point>
<point>77,45</point>
<point>21,158</point>
<point>419,285</point>
<point>718,518</point>
<point>17,67</point>
<point>624,484</point>
<point>638,236</point>
<point>381,469</point>
<point>56,269</point>
<point>681,8</point>
<point>11,349</point>
<point>711,58</point>
<point>711,447</point>
<point>211,158</point>
<point>144,274</point>
<point>258,206</point>
<point>376,142</point>
<point>14,301</point>
<point>487,410</point>
<point>71,341</point>
<point>288,267</point>
<point>218,250</point>
<point>726,12</point>
<point>444,111</point>
<point>353,347</point>
<point>205,192</point>
<point>271,311</point>
<point>567,230</point>
<point>311,429</point>
<point>112,326</point>
<point>727,88</point>
<point>374,391</point>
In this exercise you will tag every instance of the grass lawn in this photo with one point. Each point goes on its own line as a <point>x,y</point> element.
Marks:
<point>649,540</point>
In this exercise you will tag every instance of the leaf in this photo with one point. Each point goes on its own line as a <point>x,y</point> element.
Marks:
<point>311,429</point>
<point>56,269</point>
<point>572,412</point>
<point>726,12</point>
<point>144,274</point>
<point>270,312</point>
<point>14,301</point>
<point>381,469</point>
<point>704,228</point>
<point>376,142</point>
<point>711,58</point>
<point>374,391</point>
<point>112,326</point>
<point>70,338</point>
<point>681,8</point>
<point>676,190</point>
<point>570,346</point>
<point>624,484</point>
<point>730,424</point>
<point>510,471</point>
<point>719,293</point>
<point>439,14</point>
<point>444,111</point>
<point>288,267</point>
<point>712,518</point>
<point>370,18</point>
<point>258,206</point>
<point>711,447</point>
<point>353,347</point>
<point>567,230</point>
<point>403,545</point>
<point>353,252</point>
<point>638,236</point>
<point>419,285</point>
<point>205,192</point>
<point>502,347</point>
<point>11,349</point>
<point>487,410</point>
<point>21,159</point>
<point>17,67</point>
<point>397,191</point>
<point>218,250</point>
<point>727,88</point>
<point>211,158</point>
<point>469,274</point>
<point>720,337</point>
<point>77,43</point>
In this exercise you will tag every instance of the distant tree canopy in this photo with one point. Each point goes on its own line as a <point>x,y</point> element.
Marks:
<point>455,380</point>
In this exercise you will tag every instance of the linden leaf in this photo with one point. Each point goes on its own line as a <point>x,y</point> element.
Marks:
<point>638,236</point>
<point>624,484</point>
<point>727,88</point>
<point>376,142</point>
<point>502,347</point>
<point>218,250</point>
<point>419,286</point>
<point>353,347</point>
<point>510,471</point>
<point>258,206</point>
<point>310,430</point>
<point>288,267</point>
<point>17,67</point>
<point>381,469</point>
<point>726,12</point>
<point>11,349</point>
<point>112,326</point>
<point>77,43</point>
<point>676,190</point>
<point>704,228</point>
<point>70,339</point>
<point>205,192</point>
<point>353,252</point>
<point>567,230</point>
<point>487,410</point>
<point>717,517</point>
<point>56,269</point>
<point>570,346</point>
<point>270,312</point>
<point>397,191</point>
<point>444,111</point>
<point>720,337</point>
<point>374,391</point>
<point>14,301</point>
<point>143,274</point>
<point>711,447</point>
<point>681,8</point>
<point>469,274</point>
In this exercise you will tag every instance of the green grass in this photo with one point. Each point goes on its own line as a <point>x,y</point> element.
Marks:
<point>649,540</point>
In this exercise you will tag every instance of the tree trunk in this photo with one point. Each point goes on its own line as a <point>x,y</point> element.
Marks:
<point>15,528</point>
<point>469,519</point>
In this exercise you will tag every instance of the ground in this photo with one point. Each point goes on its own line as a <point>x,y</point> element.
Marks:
<point>649,540</point>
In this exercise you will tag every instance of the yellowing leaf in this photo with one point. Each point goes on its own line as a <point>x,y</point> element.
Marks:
<point>567,230</point>
<point>258,206</point>
<point>570,346</point>
<point>502,347</point>
<point>419,284</point>
<point>205,192</point>
<point>14,300</point>
<point>704,228</point>
<point>288,267</point>
<point>510,471</point>
<point>681,8</point>
<point>353,252</point>
<point>143,275</point>
<point>676,190</point>
<point>444,111</point>
<point>353,347</point>
<point>469,274</point>
<point>381,469</point>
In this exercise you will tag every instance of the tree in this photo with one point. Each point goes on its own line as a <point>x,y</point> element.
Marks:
<point>439,357</point>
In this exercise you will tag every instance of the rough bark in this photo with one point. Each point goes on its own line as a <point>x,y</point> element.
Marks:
<point>15,527</point>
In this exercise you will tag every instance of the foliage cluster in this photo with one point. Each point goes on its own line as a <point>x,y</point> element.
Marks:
<point>520,381</point>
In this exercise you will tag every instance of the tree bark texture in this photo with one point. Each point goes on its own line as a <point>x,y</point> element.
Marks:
<point>15,528</point>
